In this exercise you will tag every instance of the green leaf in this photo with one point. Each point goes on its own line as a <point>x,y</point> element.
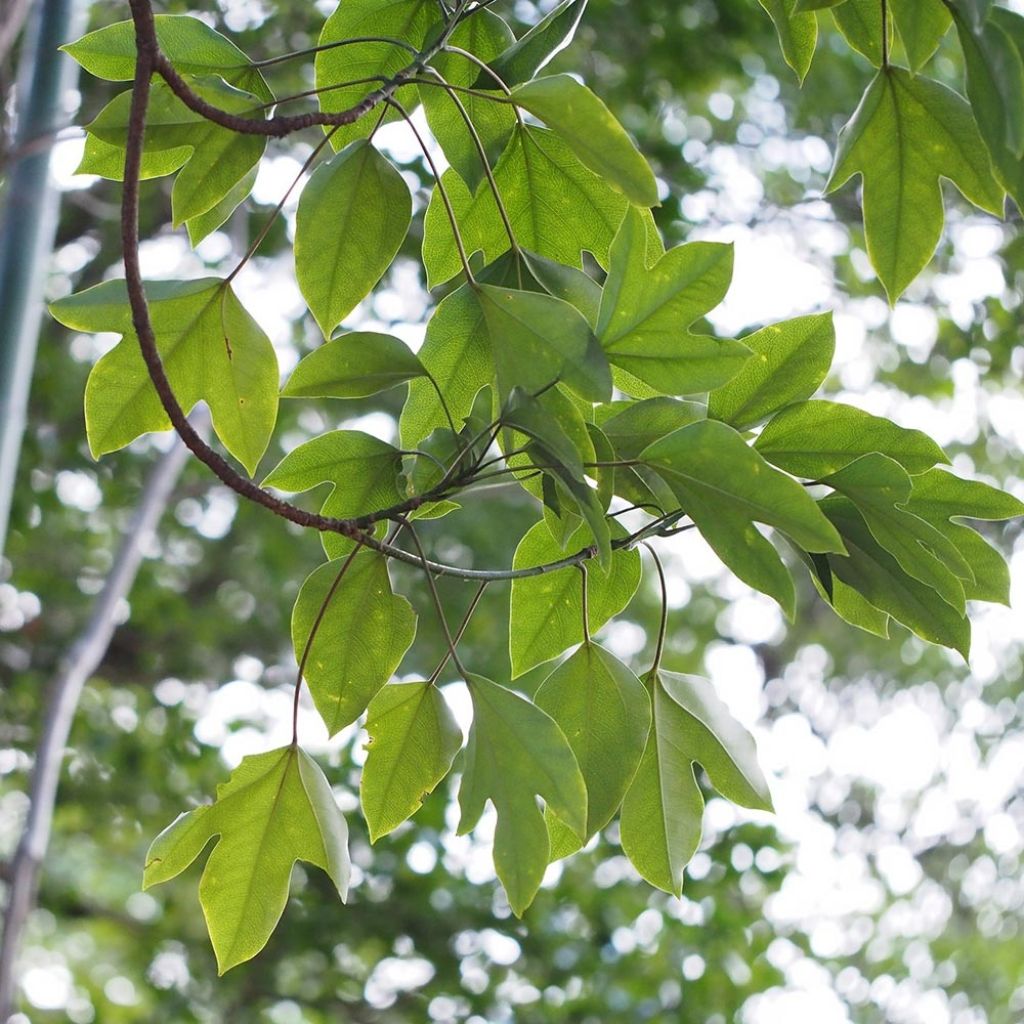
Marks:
<point>409,21</point>
<point>212,351</point>
<point>514,752</point>
<point>363,633</point>
<point>354,366</point>
<point>870,570</point>
<point>536,339</point>
<point>592,132</point>
<point>880,487</point>
<point>107,160</point>
<point>485,35</point>
<point>661,815</point>
<point>790,361</point>
<point>906,134</point>
<point>413,740</point>
<point>847,603</point>
<point>939,497</point>
<point>277,808</point>
<point>219,158</point>
<point>566,283</point>
<point>646,312</point>
<point>725,487</point>
<point>546,615</point>
<point>814,439</point>
<point>557,208</point>
<point>352,218</point>
<point>631,429</point>
<point>206,223</point>
<point>190,44</point>
<point>362,470</point>
<point>860,22</point>
<point>605,714</point>
<point>921,25</point>
<point>994,55</point>
<point>521,61</point>
<point>798,34</point>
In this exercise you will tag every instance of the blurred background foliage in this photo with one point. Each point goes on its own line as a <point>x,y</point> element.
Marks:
<point>889,886</point>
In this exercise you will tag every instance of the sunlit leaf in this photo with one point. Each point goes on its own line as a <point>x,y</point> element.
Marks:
<point>212,351</point>
<point>362,633</point>
<point>352,218</point>
<point>277,808</point>
<point>906,134</point>
<point>413,740</point>
<point>547,610</point>
<point>515,753</point>
<point>646,312</point>
<point>660,823</point>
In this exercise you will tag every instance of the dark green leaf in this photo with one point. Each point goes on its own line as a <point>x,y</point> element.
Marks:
<point>725,487</point>
<point>871,571</point>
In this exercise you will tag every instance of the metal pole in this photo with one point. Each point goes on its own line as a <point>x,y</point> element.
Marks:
<point>28,222</point>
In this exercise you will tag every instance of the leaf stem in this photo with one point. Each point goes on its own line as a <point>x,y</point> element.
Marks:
<point>485,161</point>
<point>442,191</point>
<point>312,636</point>
<point>309,50</point>
<point>435,596</point>
<point>436,674</point>
<point>586,603</point>
<point>885,33</point>
<point>659,649</point>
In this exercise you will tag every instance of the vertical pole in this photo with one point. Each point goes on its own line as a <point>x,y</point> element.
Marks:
<point>28,222</point>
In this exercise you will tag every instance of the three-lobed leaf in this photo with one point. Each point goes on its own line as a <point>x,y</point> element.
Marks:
<point>212,351</point>
<point>516,753</point>
<point>277,808</point>
<point>646,312</point>
<point>660,823</point>
<point>906,134</point>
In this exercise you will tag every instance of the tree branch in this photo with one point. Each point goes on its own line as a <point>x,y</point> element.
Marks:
<point>77,667</point>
